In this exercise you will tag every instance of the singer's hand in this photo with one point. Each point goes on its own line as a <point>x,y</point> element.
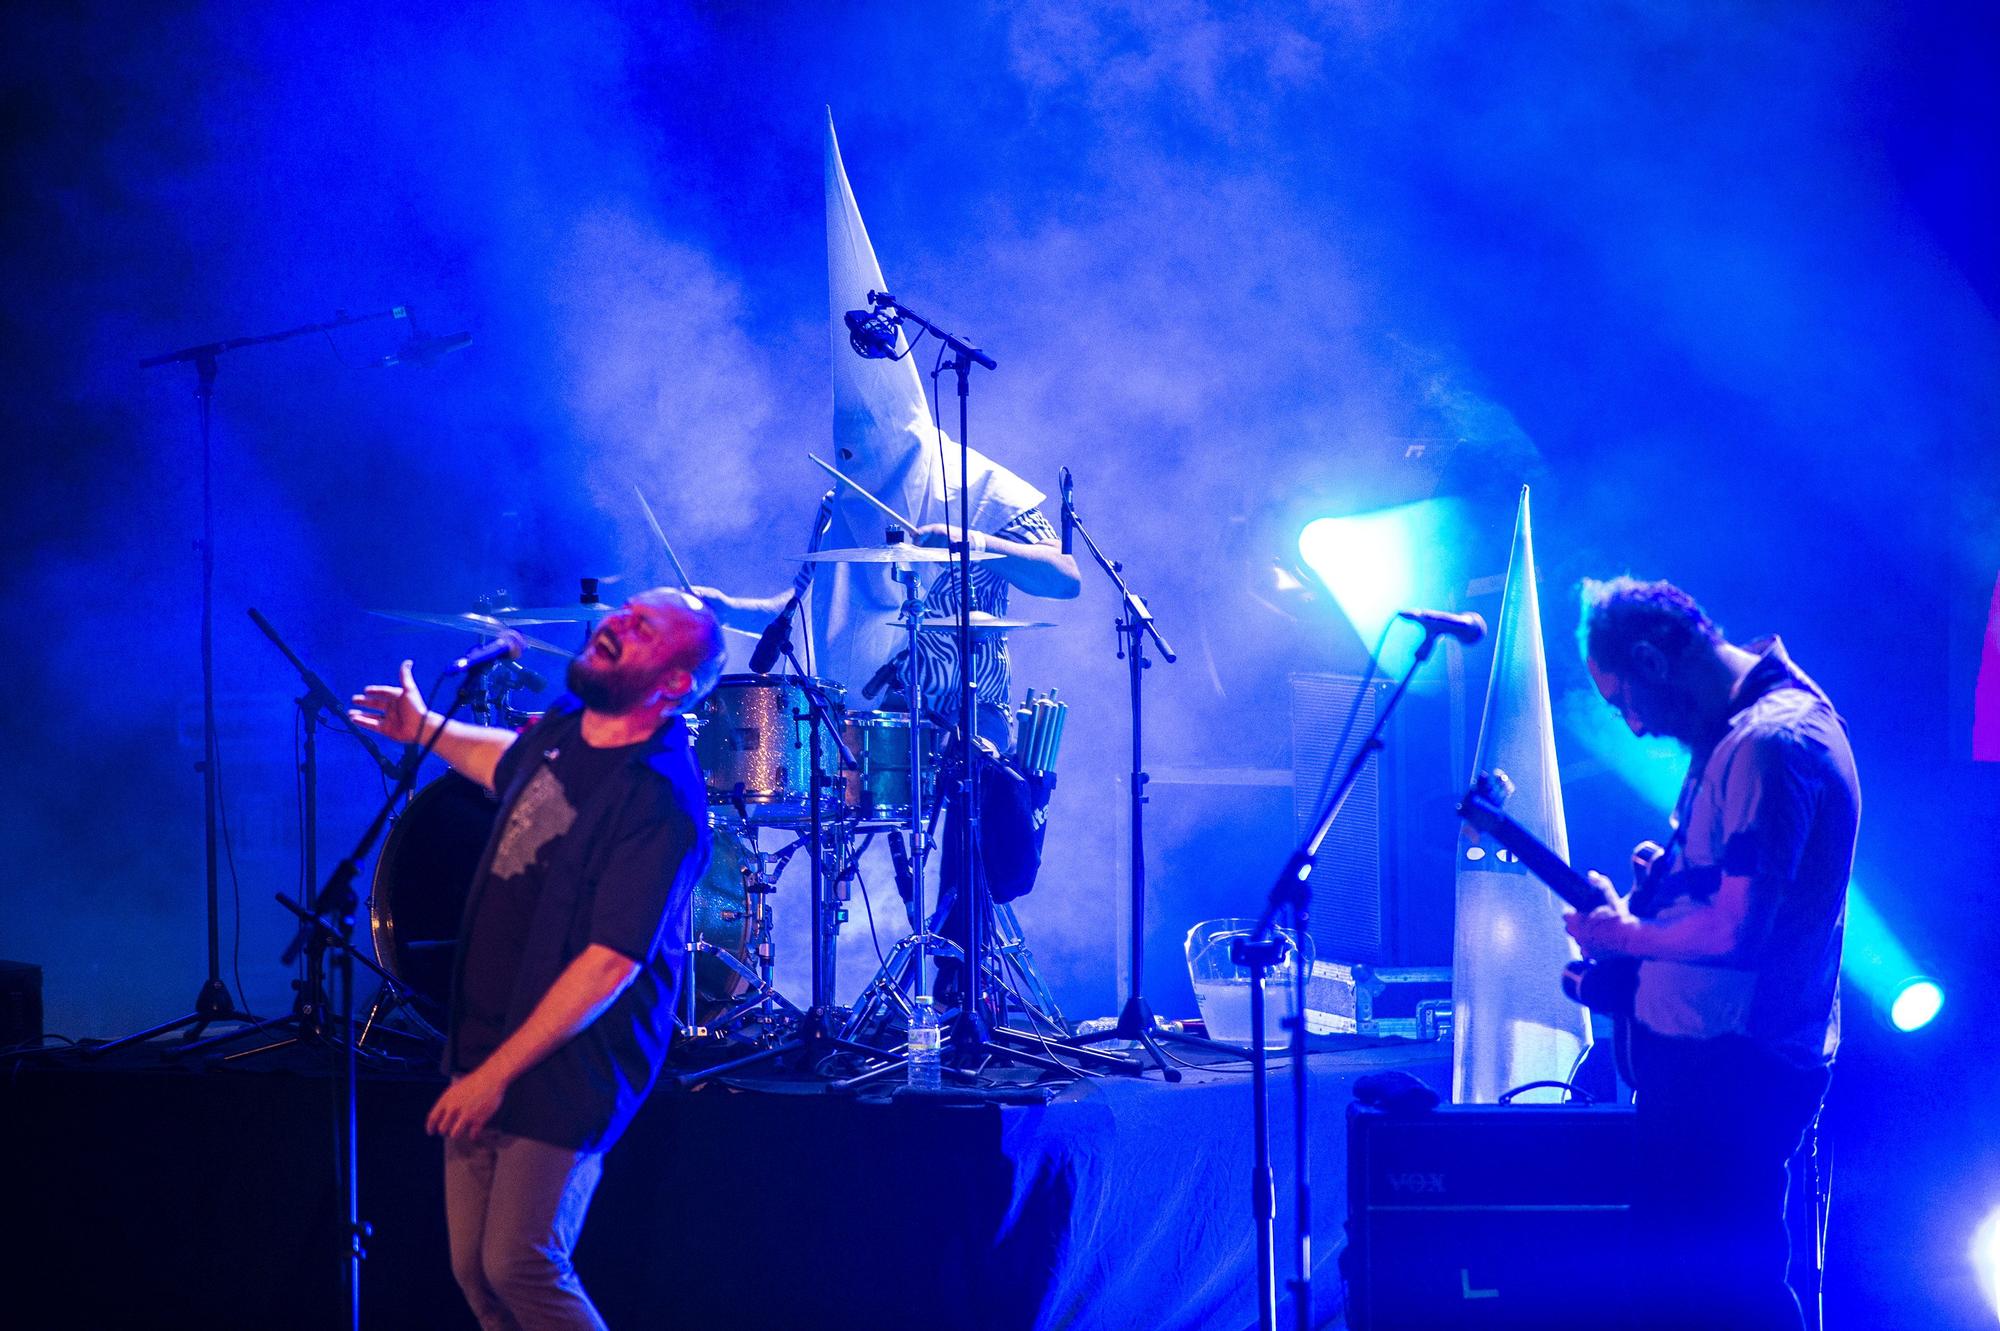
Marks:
<point>394,711</point>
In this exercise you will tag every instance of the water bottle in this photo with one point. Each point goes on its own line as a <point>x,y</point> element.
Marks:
<point>926,1044</point>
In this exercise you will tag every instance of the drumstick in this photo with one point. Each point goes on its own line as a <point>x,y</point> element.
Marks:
<point>687,584</point>
<point>862,490</point>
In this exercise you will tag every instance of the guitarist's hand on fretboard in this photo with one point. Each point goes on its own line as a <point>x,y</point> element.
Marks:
<point>1607,931</point>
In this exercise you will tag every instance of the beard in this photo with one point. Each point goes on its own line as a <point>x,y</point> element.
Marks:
<point>605,688</point>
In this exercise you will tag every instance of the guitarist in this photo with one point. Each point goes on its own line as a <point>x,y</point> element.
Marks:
<point>1737,931</point>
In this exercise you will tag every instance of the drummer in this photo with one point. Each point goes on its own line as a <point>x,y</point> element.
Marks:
<point>1028,557</point>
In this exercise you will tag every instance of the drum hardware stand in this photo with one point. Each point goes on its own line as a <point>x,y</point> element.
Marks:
<point>1136,1022</point>
<point>764,998</point>
<point>307,1020</point>
<point>213,1002</point>
<point>1011,953</point>
<point>1029,1047</point>
<point>1264,948</point>
<point>811,1041</point>
<point>906,962</point>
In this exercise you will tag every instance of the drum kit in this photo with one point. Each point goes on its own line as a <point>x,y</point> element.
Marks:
<point>789,767</point>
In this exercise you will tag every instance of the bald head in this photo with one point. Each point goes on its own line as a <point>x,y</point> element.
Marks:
<point>663,649</point>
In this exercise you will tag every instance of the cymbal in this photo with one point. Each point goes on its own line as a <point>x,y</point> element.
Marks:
<point>471,621</point>
<point>981,623</point>
<point>900,553</point>
<point>557,614</point>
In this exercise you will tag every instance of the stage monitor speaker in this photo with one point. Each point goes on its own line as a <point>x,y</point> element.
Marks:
<point>20,1004</point>
<point>1487,1217</point>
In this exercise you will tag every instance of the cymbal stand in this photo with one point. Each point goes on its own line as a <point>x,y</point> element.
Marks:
<point>906,962</point>
<point>213,1002</point>
<point>1136,1022</point>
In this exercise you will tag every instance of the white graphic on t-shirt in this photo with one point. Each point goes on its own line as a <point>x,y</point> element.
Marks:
<point>540,816</point>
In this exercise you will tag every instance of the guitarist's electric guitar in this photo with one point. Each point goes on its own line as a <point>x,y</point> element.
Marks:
<point>1606,985</point>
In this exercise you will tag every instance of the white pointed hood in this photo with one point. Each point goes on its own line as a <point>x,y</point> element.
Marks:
<point>1511,1023</point>
<point>885,438</point>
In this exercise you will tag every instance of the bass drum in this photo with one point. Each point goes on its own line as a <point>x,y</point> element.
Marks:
<point>424,874</point>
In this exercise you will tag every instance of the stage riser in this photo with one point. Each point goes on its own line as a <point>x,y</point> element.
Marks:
<point>178,1198</point>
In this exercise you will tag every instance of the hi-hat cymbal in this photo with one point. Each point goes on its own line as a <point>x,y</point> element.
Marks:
<point>472,621</point>
<point>981,623</point>
<point>900,553</point>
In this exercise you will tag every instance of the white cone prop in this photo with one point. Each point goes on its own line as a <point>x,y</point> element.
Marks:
<point>1511,1023</point>
<point>884,437</point>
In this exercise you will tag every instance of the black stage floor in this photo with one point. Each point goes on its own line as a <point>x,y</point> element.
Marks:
<point>143,1194</point>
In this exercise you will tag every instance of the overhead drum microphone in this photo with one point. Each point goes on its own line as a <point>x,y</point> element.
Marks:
<point>872,332</point>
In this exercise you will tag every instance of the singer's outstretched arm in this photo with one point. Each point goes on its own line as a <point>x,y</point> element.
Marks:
<point>397,712</point>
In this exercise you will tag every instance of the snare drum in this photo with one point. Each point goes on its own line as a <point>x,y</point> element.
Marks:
<point>879,791</point>
<point>753,747</point>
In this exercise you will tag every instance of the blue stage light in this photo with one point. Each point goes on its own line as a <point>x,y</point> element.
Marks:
<point>1986,1259</point>
<point>1374,564</point>
<point>1916,1005</point>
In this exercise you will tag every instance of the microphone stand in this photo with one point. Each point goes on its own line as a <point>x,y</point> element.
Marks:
<point>331,918</point>
<point>308,1017</point>
<point>213,1002</point>
<point>1261,950</point>
<point>1136,1022</point>
<point>968,1036</point>
<point>969,1039</point>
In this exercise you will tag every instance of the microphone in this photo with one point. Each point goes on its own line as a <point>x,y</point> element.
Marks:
<point>872,333</point>
<point>1068,510</point>
<point>776,637</point>
<point>425,350</point>
<point>1466,628</point>
<point>507,647</point>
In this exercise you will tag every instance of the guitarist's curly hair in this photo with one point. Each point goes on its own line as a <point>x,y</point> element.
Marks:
<point>1621,612</point>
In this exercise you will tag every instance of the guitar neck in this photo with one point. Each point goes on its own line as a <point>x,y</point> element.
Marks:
<point>1546,865</point>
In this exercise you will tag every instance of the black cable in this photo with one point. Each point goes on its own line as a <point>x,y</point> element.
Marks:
<point>1572,1091</point>
<point>867,905</point>
<point>235,883</point>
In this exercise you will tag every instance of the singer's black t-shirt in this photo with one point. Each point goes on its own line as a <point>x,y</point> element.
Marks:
<point>596,847</point>
<point>543,814</point>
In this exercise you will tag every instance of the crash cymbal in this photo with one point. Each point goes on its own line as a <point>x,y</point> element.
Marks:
<point>981,623</point>
<point>472,621</point>
<point>900,553</point>
<point>580,613</point>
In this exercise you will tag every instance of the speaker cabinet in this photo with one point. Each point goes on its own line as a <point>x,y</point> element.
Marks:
<point>1488,1217</point>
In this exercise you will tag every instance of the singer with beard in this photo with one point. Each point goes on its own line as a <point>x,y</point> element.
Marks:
<point>571,948</point>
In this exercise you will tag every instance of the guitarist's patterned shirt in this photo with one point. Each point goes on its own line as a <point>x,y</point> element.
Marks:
<point>1775,800</point>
